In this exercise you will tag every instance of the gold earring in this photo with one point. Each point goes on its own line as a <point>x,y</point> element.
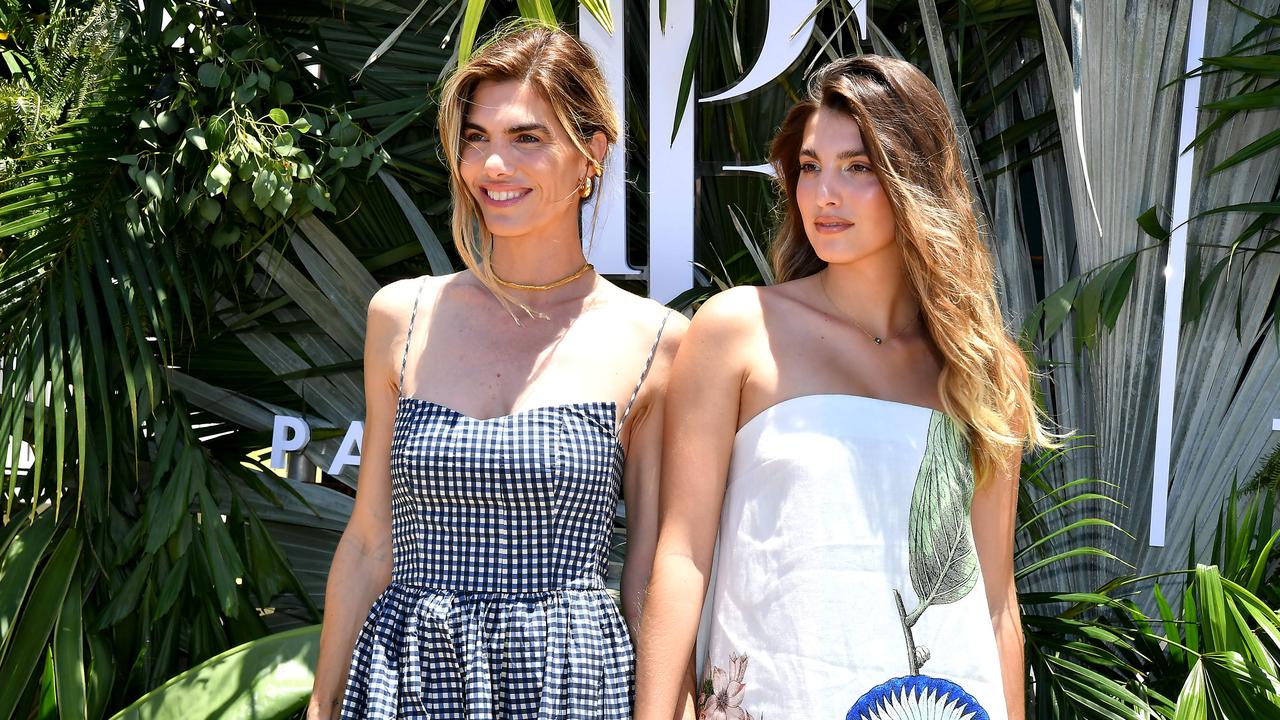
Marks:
<point>584,187</point>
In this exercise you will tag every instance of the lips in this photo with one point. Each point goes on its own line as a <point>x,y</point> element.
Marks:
<point>831,224</point>
<point>503,196</point>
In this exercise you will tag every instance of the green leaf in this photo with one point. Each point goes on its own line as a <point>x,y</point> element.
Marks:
<point>224,561</point>
<point>217,132</point>
<point>124,599</point>
<point>226,235</point>
<point>195,136</point>
<point>17,566</point>
<point>279,116</point>
<point>1250,151</point>
<point>245,93</point>
<point>210,75</point>
<point>537,10</point>
<point>68,657</point>
<point>154,184</point>
<point>470,27</point>
<point>1119,281</point>
<point>209,209</point>
<point>264,186</point>
<point>266,678</point>
<point>1057,307</point>
<point>100,672</point>
<point>31,635</point>
<point>168,122</point>
<point>944,561</point>
<point>1150,223</point>
<point>218,180</point>
<point>1259,100</point>
<point>599,9</point>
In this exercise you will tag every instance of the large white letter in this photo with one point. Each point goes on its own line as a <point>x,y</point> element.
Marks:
<point>790,27</point>
<point>671,191</point>
<point>353,439</point>
<point>287,434</point>
<point>604,235</point>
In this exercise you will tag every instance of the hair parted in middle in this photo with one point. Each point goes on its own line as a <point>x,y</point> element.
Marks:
<point>909,136</point>
<point>565,73</point>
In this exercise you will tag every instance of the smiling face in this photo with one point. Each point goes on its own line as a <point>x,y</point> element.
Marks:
<point>847,215</point>
<point>519,163</point>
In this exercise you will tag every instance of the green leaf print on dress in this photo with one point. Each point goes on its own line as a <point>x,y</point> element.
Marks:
<point>944,569</point>
<point>944,563</point>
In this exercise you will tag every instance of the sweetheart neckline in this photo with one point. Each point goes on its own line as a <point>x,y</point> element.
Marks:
<point>610,404</point>
<point>517,413</point>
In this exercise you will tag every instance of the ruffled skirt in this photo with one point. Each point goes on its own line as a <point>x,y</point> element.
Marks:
<point>430,654</point>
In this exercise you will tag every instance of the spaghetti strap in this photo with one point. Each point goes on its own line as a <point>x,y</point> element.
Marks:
<point>408,337</point>
<point>648,363</point>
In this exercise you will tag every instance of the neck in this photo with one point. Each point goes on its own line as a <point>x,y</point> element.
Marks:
<point>874,291</point>
<point>539,258</point>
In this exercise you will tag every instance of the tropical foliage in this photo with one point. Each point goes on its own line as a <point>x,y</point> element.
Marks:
<point>197,200</point>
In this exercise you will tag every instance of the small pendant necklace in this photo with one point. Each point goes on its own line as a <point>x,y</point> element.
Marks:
<point>586,268</point>
<point>877,339</point>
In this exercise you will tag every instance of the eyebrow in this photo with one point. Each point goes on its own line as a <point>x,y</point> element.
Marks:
<point>513,130</point>
<point>844,155</point>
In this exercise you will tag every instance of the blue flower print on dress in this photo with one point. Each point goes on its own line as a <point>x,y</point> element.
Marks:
<point>917,697</point>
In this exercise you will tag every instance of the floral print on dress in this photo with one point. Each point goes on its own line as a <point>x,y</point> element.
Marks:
<point>917,697</point>
<point>944,569</point>
<point>722,692</point>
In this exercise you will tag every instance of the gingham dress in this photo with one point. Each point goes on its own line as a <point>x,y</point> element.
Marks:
<point>500,533</point>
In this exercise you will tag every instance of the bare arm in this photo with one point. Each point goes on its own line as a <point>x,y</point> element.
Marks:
<point>642,475</point>
<point>361,565</point>
<point>994,514</point>
<point>700,422</point>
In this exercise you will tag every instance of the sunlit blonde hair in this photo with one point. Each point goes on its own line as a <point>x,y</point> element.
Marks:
<point>908,133</point>
<point>565,74</point>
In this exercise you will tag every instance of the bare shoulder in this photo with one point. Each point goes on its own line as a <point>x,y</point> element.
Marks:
<point>391,306</point>
<point>733,313</point>
<point>643,317</point>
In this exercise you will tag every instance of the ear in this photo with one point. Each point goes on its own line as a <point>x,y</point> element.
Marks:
<point>598,146</point>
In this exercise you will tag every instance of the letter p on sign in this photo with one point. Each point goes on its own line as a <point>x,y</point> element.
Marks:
<point>288,434</point>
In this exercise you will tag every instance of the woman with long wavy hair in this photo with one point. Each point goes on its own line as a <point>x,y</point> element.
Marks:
<point>854,434</point>
<point>507,408</point>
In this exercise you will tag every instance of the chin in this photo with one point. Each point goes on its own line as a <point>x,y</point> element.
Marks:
<point>504,227</point>
<point>839,251</point>
<point>835,253</point>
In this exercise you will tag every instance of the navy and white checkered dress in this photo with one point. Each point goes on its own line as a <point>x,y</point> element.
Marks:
<point>497,605</point>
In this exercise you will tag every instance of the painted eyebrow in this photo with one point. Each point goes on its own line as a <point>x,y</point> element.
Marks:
<point>513,130</point>
<point>845,155</point>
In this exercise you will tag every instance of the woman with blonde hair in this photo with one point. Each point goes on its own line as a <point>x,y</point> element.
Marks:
<point>507,408</point>
<point>854,433</point>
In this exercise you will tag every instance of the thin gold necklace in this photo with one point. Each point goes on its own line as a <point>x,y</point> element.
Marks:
<point>586,268</point>
<point>877,339</point>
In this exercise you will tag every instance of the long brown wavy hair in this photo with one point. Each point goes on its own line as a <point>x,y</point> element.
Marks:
<point>908,133</point>
<point>565,73</point>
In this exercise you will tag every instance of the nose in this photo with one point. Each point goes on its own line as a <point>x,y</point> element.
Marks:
<point>495,165</point>
<point>827,194</point>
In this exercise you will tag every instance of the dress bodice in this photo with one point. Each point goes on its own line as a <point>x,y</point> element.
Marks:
<point>522,503</point>
<point>846,575</point>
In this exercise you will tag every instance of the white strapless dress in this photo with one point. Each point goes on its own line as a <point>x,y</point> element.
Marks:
<point>846,584</point>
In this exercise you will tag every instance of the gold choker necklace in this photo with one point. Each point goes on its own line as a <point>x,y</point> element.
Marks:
<point>586,268</point>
